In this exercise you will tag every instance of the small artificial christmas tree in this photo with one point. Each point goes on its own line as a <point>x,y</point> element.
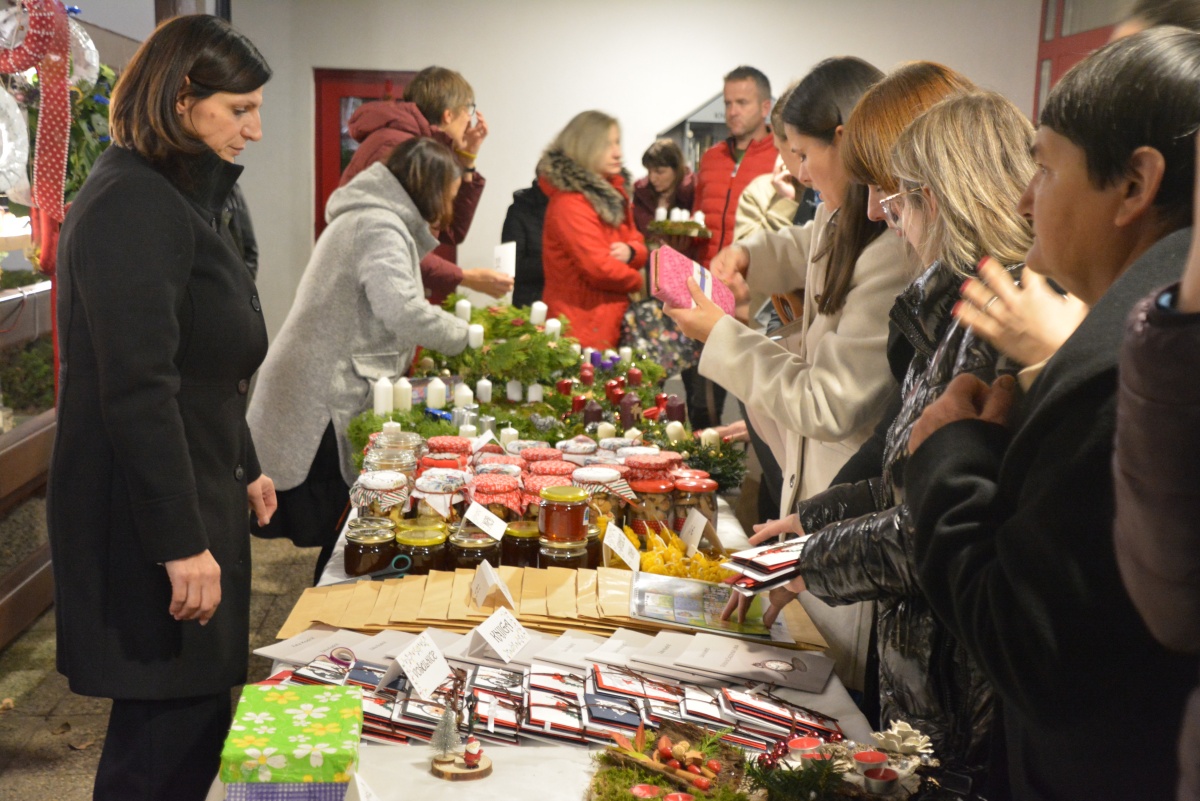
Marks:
<point>445,736</point>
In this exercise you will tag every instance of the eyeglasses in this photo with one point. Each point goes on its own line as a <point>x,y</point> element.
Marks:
<point>471,112</point>
<point>893,205</point>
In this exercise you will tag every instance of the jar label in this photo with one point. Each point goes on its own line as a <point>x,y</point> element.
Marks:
<point>490,523</point>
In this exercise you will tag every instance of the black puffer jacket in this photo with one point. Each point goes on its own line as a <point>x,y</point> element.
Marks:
<point>861,551</point>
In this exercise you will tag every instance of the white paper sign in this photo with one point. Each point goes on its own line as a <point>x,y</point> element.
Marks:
<point>490,523</point>
<point>485,579</point>
<point>693,530</point>
<point>615,539</point>
<point>424,666</point>
<point>504,258</point>
<point>482,440</point>
<point>504,633</point>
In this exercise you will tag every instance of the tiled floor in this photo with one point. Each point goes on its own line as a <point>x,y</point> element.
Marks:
<point>50,740</point>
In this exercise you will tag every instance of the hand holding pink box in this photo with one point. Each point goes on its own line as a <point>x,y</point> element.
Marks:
<point>669,272</point>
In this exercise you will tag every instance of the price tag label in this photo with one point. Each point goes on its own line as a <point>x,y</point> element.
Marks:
<point>482,440</point>
<point>693,530</point>
<point>486,578</point>
<point>490,523</point>
<point>615,539</point>
<point>504,633</point>
<point>424,665</point>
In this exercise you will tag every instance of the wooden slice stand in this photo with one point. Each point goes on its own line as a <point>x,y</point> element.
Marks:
<point>456,770</point>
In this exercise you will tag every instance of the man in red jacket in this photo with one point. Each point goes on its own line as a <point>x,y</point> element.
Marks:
<point>440,104</point>
<point>725,170</point>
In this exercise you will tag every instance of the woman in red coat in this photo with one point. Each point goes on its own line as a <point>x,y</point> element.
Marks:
<point>592,252</point>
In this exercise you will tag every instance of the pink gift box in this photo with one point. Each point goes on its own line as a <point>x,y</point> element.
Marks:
<point>669,272</point>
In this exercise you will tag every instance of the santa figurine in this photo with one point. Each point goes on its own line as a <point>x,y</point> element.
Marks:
<point>473,752</point>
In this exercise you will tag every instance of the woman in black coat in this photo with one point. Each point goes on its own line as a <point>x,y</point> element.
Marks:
<point>160,333</point>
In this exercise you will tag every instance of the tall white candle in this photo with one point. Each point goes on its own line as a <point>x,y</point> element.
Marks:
<point>535,393</point>
<point>537,313</point>
<point>513,391</point>
<point>675,431</point>
<point>626,355</point>
<point>698,217</point>
<point>660,214</point>
<point>508,434</point>
<point>462,310</point>
<point>577,348</point>
<point>383,396</point>
<point>483,390</point>
<point>468,430</point>
<point>587,355</point>
<point>605,431</point>
<point>402,395</point>
<point>553,328</point>
<point>475,335</point>
<point>463,396</point>
<point>435,394</point>
<point>709,438</point>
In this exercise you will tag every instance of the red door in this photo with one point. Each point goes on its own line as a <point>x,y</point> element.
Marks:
<point>339,93</point>
<point>1071,29</point>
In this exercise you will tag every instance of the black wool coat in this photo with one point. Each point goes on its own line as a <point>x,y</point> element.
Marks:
<point>1014,550</point>
<point>160,330</point>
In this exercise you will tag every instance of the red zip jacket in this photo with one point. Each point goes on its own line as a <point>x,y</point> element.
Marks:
<point>719,184</point>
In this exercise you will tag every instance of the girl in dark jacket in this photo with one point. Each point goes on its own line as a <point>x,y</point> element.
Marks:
<point>961,167</point>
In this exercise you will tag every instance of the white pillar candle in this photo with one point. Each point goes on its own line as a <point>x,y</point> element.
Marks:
<point>468,430</point>
<point>537,313</point>
<point>626,355</point>
<point>475,335</point>
<point>383,396</point>
<point>462,310</point>
<point>660,214</point>
<point>709,438</point>
<point>675,431</point>
<point>463,396</point>
<point>483,390</point>
<point>577,349</point>
<point>605,431</point>
<point>553,328</point>
<point>535,393</point>
<point>435,394</point>
<point>513,390</point>
<point>587,355</point>
<point>402,395</point>
<point>633,434</point>
<point>698,218</point>
<point>508,434</point>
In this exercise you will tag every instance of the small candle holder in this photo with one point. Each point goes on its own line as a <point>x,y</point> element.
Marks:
<point>881,781</point>
<point>867,760</point>
<point>803,745</point>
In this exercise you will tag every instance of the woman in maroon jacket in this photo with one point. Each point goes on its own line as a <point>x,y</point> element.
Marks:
<point>669,184</point>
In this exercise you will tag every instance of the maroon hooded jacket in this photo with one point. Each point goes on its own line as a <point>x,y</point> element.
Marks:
<point>378,127</point>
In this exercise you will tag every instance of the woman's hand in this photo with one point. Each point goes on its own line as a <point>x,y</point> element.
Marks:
<point>734,432</point>
<point>731,265</point>
<point>196,585</point>
<point>696,323</point>
<point>474,135</point>
<point>777,599</point>
<point>762,533</point>
<point>621,251</point>
<point>781,179</point>
<point>261,492</point>
<point>1027,324</point>
<point>966,398</point>
<point>489,282</point>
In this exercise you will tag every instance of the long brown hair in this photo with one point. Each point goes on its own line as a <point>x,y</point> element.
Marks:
<point>427,170</point>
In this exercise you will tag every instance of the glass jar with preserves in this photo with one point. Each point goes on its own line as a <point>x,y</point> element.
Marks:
<point>563,515</point>
<point>469,546</point>
<point>376,493</point>
<point>369,549</point>
<point>402,461</point>
<point>552,553</point>
<point>439,495</point>
<point>501,495</point>
<point>425,543</point>
<point>695,493</point>
<point>519,547</point>
<point>654,509</point>
<point>605,502</point>
<point>595,548</point>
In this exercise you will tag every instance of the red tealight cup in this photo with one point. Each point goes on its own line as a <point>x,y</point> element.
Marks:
<point>866,760</point>
<point>564,386</point>
<point>803,745</point>
<point>813,757</point>
<point>610,387</point>
<point>620,381</point>
<point>645,791</point>
<point>679,797</point>
<point>577,403</point>
<point>880,781</point>
<point>635,377</point>
<point>587,377</point>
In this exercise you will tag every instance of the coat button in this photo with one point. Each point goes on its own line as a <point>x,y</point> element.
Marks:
<point>239,473</point>
<point>243,387</point>
<point>255,304</point>
<point>792,481</point>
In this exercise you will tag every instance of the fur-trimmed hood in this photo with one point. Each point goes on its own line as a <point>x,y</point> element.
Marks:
<point>560,173</point>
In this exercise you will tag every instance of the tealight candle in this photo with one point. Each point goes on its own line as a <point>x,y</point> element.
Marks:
<point>475,335</point>
<point>514,390</point>
<point>462,310</point>
<point>402,395</point>
<point>626,354</point>
<point>605,430</point>
<point>709,438</point>
<point>483,390</point>
<point>487,423</point>
<point>633,434</point>
<point>467,430</point>
<point>553,328</point>
<point>535,393</point>
<point>866,760</point>
<point>508,434</point>
<point>383,396</point>
<point>435,394</point>
<point>803,745</point>
<point>463,396</point>
<point>675,431</point>
<point>537,313</point>
<point>880,781</point>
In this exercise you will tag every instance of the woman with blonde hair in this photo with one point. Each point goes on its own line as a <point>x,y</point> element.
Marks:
<point>960,168</point>
<point>592,252</point>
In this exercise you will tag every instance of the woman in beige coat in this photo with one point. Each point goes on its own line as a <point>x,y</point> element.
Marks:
<point>816,390</point>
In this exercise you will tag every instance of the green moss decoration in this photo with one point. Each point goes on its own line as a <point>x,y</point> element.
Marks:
<point>27,377</point>
<point>820,781</point>
<point>668,228</point>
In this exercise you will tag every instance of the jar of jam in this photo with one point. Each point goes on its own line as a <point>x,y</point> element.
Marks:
<point>552,553</point>
<point>377,492</point>
<point>595,548</point>
<point>500,494</point>
<point>654,512</point>
<point>439,496</point>
<point>563,515</point>
<point>470,545</point>
<point>695,493</point>
<point>425,543</point>
<point>519,547</point>
<point>604,502</point>
<point>369,549</point>
<point>402,461</point>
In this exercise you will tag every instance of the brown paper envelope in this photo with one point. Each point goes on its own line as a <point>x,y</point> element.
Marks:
<point>362,603</point>
<point>408,600</point>
<point>460,596</point>
<point>533,593</point>
<point>381,615</point>
<point>436,602</point>
<point>560,593</point>
<point>802,629</point>
<point>514,579</point>
<point>585,594</point>
<point>336,601</point>
<point>306,612</point>
<point>614,587</point>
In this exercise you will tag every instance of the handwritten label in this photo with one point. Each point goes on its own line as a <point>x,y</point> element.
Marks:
<point>693,530</point>
<point>504,633</point>
<point>482,440</point>
<point>424,666</point>
<point>616,540</point>
<point>486,578</point>
<point>490,523</point>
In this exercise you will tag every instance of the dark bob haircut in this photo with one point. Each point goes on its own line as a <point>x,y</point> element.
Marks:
<point>427,170</point>
<point>190,56</point>
<point>665,153</point>
<point>1140,91</point>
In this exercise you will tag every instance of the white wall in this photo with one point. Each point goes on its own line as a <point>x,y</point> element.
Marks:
<point>535,63</point>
